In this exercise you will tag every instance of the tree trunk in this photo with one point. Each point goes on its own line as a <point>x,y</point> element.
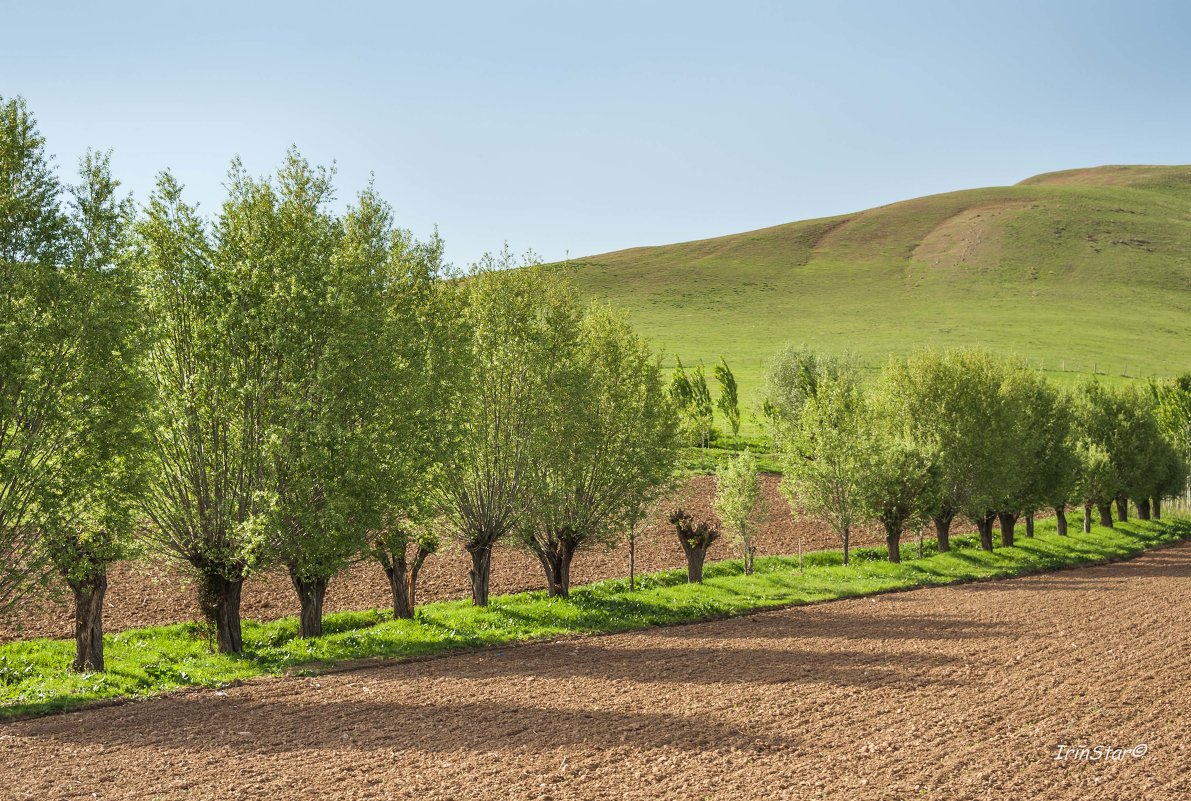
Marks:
<point>481,567</point>
<point>557,563</point>
<point>399,590</point>
<point>749,557</point>
<point>694,564</point>
<point>943,530</point>
<point>1061,521</point>
<point>633,558</point>
<point>1156,508</point>
<point>1122,509</point>
<point>1143,509</point>
<point>219,600</point>
<point>1087,518</point>
<point>1008,523</point>
<point>1029,524</point>
<point>893,543</point>
<point>984,526</point>
<point>311,593</point>
<point>88,622</point>
<point>1106,515</point>
<point>847,536</point>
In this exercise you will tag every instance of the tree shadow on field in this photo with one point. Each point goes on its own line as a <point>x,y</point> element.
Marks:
<point>284,725</point>
<point>821,621</point>
<point>697,663</point>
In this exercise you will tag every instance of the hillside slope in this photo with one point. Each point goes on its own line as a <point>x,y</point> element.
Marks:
<point>1075,270</point>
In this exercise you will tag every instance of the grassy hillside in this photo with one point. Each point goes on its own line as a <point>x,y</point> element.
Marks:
<point>1075,270</point>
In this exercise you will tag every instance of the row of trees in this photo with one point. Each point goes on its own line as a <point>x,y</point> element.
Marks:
<point>285,385</point>
<point>943,434</point>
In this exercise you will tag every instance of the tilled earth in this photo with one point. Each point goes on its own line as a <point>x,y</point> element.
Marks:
<point>157,593</point>
<point>963,692</point>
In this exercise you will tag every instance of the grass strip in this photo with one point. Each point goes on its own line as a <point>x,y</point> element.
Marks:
<point>34,675</point>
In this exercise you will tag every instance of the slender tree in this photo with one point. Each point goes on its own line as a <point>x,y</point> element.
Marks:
<point>827,456</point>
<point>739,502</point>
<point>728,402</point>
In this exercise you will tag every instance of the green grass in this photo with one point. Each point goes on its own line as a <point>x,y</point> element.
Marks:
<point>144,662</point>
<point>1078,271</point>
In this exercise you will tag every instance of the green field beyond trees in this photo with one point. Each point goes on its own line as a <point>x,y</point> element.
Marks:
<point>34,678</point>
<point>1074,271</point>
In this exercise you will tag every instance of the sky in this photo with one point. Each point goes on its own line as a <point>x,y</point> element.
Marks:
<point>570,129</point>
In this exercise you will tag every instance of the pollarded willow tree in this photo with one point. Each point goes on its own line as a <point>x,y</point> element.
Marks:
<point>316,316</point>
<point>511,323</point>
<point>69,395</point>
<point>900,479</point>
<point>955,403</point>
<point>604,446</point>
<point>414,386</point>
<point>206,421</point>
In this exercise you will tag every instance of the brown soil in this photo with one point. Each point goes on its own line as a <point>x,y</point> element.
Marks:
<point>962,692</point>
<point>156,593</point>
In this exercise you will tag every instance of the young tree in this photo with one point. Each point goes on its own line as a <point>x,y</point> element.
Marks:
<point>740,501</point>
<point>793,376</point>
<point>695,539</point>
<point>728,402</point>
<point>507,352</point>
<point>205,423</point>
<point>827,457</point>
<point>606,443</point>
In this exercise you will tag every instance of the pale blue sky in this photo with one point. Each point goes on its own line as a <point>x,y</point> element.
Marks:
<point>587,127</point>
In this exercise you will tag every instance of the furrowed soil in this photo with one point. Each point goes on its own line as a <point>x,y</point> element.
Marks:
<point>155,593</point>
<point>962,692</point>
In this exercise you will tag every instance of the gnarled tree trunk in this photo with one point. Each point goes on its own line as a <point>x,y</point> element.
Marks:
<point>403,581</point>
<point>219,601</point>
<point>893,538</point>
<point>1008,522</point>
<point>1029,524</point>
<point>311,593</point>
<point>1061,521</point>
<point>1106,515</point>
<point>943,529</point>
<point>88,622</point>
<point>984,525</point>
<point>1122,509</point>
<point>1143,509</point>
<point>556,561</point>
<point>481,568</point>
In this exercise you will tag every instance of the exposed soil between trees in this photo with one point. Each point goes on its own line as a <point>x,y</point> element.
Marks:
<point>961,692</point>
<point>141,594</point>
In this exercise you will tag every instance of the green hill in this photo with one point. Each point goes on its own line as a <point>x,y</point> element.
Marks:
<point>1076,270</point>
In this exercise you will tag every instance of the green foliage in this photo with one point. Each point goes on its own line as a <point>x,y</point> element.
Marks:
<point>605,445</point>
<point>146,662</point>
<point>728,402</point>
<point>827,453</point>
<point>740,501</point>
<point>70,400</point>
